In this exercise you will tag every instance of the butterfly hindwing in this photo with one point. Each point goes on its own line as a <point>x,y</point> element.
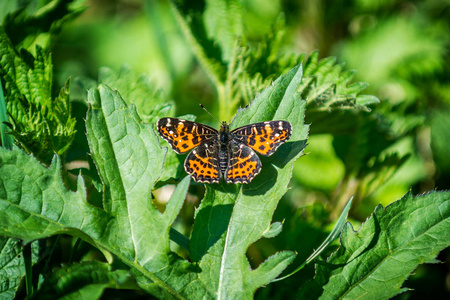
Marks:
<point>243,163</point>
<point>264,137</point>
<point>203,163</point>
<point>184,135</point>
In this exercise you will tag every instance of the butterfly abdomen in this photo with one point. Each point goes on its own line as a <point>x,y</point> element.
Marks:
<point>224,139</point>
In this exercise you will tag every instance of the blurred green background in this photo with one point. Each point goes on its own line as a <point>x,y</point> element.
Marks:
<point>401,48</point>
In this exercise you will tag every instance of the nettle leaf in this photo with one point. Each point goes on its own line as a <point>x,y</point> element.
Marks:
<point>326,86</point>
<point>373,262</point>
<point>211,28</point>
<point>150,102</point>
<point>35,204</point>
<point>223,23</point>
<point>38,20</point>
<point>85,280</point>
<point>40,123</point>
<point>208,51</point>
<point>12,265</point>
<point>232,217</point>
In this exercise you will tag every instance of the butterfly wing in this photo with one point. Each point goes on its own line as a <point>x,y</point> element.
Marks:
<point>264,137</point>
<point>243,163</point>
<point>203,162</point>
<point>184,135</point>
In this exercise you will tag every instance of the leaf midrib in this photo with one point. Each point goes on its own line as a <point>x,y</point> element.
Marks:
<point>392,254</point>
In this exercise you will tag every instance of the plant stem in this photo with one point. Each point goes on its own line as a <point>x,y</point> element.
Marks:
<point>26,251</point>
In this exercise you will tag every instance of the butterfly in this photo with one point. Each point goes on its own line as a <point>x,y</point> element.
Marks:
<point>224,153</point>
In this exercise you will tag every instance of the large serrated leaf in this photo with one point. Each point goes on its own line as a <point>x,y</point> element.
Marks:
<point>35,204</point>
<point>151,103</point>
<point>374,262</point>
<point>41,124</point>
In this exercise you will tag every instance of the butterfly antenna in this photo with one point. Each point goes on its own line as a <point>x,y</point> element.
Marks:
<point>208,112</point>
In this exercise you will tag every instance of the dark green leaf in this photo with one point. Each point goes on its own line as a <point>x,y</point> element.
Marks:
<point>375,261</point>
<point>85,280</point>
<point>35,18</point>
<point>6,139</point>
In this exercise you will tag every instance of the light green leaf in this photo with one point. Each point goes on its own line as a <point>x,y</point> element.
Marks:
<point>150,102</point>
<point>223,24</point>
<point>40,123</point>
<point>327,86</point>
<point>274,230</point>
<point>374,262</point>
<point>206,51</point>
<point>33,22</point>
<point>129,160</point>
<point>5,138</point>
<point>334,234</point>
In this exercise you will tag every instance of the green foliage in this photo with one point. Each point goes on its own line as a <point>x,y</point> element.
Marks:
<point>128,221</point>
<point>33,21</point>
<point>251,68</point>
<point>6,139</point>
<point>150,102</point>
<point>374,262</point>
<point>86,280</point>
<point>12,265</point>
<point>40,123</point>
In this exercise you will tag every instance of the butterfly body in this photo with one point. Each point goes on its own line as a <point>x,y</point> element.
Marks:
<point>224,153</point>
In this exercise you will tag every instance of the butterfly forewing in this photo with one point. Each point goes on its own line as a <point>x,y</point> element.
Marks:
<point>184,135</point>
<point>264,137</point>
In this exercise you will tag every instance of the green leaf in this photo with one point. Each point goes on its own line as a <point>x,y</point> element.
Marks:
<point>232,217</point>
<point>327,86</point>
<point>35,204</point>
<point>40,123</point>
<point>87,280</point>
<point>37,21</point>
<point>206,51</point>
<point>6,139</point>
<point>373,262</point>
<point>274,230</point>
<point>12,265</point>
<point>150,102</point>
<point>12,268</point>
<point>334,234</point>
<point>223,24</point>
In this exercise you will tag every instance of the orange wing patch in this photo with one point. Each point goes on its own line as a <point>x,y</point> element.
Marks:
<point>265,137</point>
<point>183,135</point>
<point>244,164</point>
<point>203,163</point>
